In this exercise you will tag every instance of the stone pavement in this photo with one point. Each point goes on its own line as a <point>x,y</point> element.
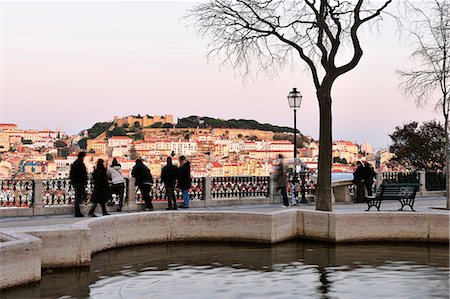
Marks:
<point>422,204</point>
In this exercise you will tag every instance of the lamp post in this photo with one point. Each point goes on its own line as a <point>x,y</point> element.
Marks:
<point>295,100</point>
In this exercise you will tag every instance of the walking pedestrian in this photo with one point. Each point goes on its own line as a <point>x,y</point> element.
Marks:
<point>100,194</point>
<point>358,177</point>
<point>144,181</point>
<point>184,180</point>
<point>169,175</point>
<point>281,179</point>
<point>78,178</point>
<point>117,182</point>
<point>369,175</point>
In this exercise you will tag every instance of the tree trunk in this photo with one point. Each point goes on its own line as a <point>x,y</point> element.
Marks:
<point>323,190</point>
<point>447,162</point>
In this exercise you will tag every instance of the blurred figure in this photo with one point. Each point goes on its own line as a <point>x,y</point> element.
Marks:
<point>281,179</point>
<point>369,175</point>
<point>184,180</point>
<point>78,178</point>
<point>144,181</point>
<point>169,175</point>
<point>117,182</point>
<point>100,194</point>
<point>358,177</point>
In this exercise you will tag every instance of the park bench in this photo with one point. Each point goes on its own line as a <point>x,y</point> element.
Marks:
<point>405,193</point>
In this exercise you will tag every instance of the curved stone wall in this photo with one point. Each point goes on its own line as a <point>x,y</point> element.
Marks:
<point>23,254</point>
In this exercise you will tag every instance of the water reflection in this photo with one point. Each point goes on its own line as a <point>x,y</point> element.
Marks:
<point>295,269</point>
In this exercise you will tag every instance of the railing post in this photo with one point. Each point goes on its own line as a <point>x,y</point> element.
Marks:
<point>132,205</point>
<point>422,181</point>
<point>207,191</point>
<point>38,205</point>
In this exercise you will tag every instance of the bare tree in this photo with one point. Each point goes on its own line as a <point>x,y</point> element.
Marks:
<point>429,80</point>
<point>271,33</point>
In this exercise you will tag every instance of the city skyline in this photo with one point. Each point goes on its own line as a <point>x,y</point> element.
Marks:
<point>71,64</point>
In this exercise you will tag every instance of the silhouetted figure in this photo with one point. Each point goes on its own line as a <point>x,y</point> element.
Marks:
<point>117,182</point>
<point>369,175</point>
<point>281,179</point>
<point>358,177</point>
<point>100,194</point>
<point>169,175</point>
<point>78,178</point>
<point>184,180</point>
<point>144,181</point>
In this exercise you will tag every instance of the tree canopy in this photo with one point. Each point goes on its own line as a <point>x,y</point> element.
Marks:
<point>419,147</point>
<point>209,122</point>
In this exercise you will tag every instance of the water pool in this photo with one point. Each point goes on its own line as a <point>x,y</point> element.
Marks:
<point>294,269</point>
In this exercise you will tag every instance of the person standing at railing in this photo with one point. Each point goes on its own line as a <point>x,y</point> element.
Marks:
<point>169,175</point>
<point>117,182</point>
<point>100,194</point>
<point>78,178</point>
<point>144,181</point>
<point>281,180</point>
<point>358,177</point>
<point>184,180</point>
<point>369,175</point>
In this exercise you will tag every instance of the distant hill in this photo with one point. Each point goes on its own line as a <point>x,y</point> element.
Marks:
<point>193,121</point>
<point>209,122</point>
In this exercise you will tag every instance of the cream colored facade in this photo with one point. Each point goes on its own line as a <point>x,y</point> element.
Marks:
<point>97,146</point>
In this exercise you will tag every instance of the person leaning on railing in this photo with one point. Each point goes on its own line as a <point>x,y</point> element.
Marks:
<point>144,181</point>
<point>117,182</point>
<point>78,178</point>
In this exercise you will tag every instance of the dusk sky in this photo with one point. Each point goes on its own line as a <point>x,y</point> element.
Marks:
<point>71,64</point>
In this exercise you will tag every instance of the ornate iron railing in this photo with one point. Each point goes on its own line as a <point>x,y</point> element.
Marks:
<point>401,177</point>
<point>17,193</point>
<point>310,185</point>
<point>57,192</point>
<point>158,191</point>
<point>435,181</point>
<point>238,187</point>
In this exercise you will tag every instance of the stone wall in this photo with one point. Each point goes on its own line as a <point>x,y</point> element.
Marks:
<point>24,251</point>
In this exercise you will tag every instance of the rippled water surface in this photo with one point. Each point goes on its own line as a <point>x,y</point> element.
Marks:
<point>295,269</point>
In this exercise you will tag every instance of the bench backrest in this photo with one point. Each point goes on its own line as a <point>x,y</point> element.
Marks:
<point>396,191</point>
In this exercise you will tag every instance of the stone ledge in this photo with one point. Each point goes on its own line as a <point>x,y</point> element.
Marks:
<point>16,271</point>
<point>73,246</point>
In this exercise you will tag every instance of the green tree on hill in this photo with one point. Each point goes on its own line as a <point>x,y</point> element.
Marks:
<point>98,129</point>
<point>117,131</point>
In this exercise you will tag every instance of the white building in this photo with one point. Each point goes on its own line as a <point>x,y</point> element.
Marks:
<point>117,141</point>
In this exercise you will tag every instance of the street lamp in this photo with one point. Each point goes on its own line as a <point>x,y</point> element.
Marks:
<point>295,100</point>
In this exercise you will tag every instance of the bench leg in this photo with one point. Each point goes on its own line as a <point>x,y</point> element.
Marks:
<point>407,202</point>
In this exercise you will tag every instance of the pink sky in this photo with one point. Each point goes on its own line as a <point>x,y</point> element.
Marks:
<point>71,64</point>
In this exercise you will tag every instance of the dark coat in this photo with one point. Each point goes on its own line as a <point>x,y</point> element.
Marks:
<point>141,173</point>
<point>169,175</point>
<point>100,194</point>
<point>369,173</point>
<point>184,177</point>
<point>78,172</point>
<point>358,175</point>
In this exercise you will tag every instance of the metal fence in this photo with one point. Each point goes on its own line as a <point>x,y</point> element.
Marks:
<point>435,181</point>
<point>401,177</point>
